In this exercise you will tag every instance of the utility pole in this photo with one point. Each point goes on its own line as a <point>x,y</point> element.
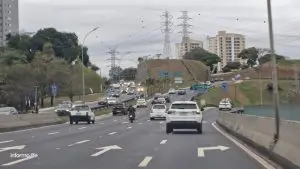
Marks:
<point>185,31</point>
<point>274,73</point>
<point>113,58</point>
<point>167,24</point>
<point>36,98</point>
<point>296,78</point>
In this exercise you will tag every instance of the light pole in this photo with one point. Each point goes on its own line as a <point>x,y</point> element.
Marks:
<point>82,68</point>
<point>274,73</point>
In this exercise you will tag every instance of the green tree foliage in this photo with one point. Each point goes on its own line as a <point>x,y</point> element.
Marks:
<point>268,57</point>
<point>251,54</point>
<point>94,67</point>
<point>204,56</point>
<point>10,57</point>
<point>129,73</point>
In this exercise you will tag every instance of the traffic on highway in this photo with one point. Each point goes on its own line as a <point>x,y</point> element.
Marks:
<point>168,131</point>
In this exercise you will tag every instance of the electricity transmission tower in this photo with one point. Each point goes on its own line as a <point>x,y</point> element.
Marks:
<point>114,71</point>
<point>166,29</point>
<point>185,24</point>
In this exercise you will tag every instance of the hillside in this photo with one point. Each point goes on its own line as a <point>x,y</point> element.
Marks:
<point>285,71</point>
<point>189,70</point>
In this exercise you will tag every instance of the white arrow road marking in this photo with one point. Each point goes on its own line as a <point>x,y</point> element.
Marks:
<point>201,150</point>
<point>163,141</point>
<point>81,128</point>
<point>140,123</point>
<point>18,161</point>
<point>12,148</point>
<point>125,122</point>
<point>79,142</point>
<point>112,133</point>
<point>259,159</point>
<point>8,141</point>
<point>145,162</point>
<point>129,127</point>
<point>53,133</point>
<point>115,120</point>
<point>106,149</point>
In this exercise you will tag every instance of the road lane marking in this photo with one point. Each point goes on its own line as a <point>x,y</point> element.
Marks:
<point>12,148</point>
<point>53,133</point>
<point>140,123</point>
<point>145,162</point>
<point>8,141</point>
<point>106,149</point>
<point>115,120</point>
<point>100,136</point>
<point>57,148</point>
<point>248,151</point>
<point>79,142</point>
<point>125,122</point>
<point>148,120</point>
<point>32,136</point>
<point>20,131</point>
<point>112,133</point>
<point>19,161</point>
<point>204,122</point>
<point>129,127</point>
<point>81,128</point>
<point>163,141</point>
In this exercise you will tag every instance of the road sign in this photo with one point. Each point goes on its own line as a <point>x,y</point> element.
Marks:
<point>224,86</point>
<point>200,87</point>
<point>54,90</point>
<point>178,80</point>
<point>202,102</point>
<point>201,150</point>
<point>106,149</point>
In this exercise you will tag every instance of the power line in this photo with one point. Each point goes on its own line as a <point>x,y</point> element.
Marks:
<point>167,24</point>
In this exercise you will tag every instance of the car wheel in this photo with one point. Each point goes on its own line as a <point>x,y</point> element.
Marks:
<point>151,118</point>
<point>76,122</point>
<point>71,121</point>
<point>89,121</point>
<point>93,121</point>
<point>199,129</point>
<point>169,129</point>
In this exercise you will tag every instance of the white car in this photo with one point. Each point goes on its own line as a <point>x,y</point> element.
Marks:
<point>225,104</point>
<point>172,91</point>
<point>82,113</point>
<point>8,111</point>
<point>184,115</point>
<point>141,103</point>
<point>160,100</point>
<point>112,101</point>
<point>158,111</point>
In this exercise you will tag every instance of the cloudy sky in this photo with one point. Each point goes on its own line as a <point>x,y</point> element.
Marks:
<point>133,27</point>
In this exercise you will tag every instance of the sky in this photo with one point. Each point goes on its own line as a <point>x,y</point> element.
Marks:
<point>133,27</point>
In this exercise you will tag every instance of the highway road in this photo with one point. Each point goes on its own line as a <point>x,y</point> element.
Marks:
<point>113,143</point>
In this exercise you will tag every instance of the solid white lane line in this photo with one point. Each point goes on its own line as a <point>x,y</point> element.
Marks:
<point>248,151</point>
<point>163,141</point>
<point>129,127</point>
<point>18,161</point>
<point>81,128</point>
<point>8,141</point>
<point>53,133</point>
<point>145,162</point>
<point>112,133</point>
<point>79,142</point>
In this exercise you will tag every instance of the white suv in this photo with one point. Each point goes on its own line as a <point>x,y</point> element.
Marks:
<point>225,104</point>
<point>81,112</point>
<point>184,115</point>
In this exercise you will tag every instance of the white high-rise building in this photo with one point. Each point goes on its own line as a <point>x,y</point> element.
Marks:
<point>9,19</point>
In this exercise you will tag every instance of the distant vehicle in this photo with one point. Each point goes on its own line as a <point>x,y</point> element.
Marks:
<point>157,95</point>
<point>225,104</point>
<point>141,103</point>
<point>111,101</point>
<point>181,91</point>
<point>63,109</point>
<point>102,103</point>
<point>8,111</point>
<point>172,91</point>
<point>81,113</point>
<point>167,98</point>
<point>115,95</point>
<point>158,111</point>
<point>160,100</point>
<point>119,108</point>
<point>184,115</point>
<point>67,102</point>
<point>131,92</point>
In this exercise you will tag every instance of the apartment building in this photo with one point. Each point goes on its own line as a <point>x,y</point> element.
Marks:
<point>9,19</point>
<point>227,46</point>
<point>187,45</point>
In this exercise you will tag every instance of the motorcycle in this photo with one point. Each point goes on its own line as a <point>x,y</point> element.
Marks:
<point>131,117</point>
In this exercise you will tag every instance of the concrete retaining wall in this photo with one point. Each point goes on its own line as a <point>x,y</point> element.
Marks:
<point>259,132</point>
<point>23,121</point>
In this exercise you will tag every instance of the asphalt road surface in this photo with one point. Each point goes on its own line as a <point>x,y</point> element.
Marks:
<point>113,143</point>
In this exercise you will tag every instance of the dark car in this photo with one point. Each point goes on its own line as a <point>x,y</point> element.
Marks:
<point>181,92</point>
<point>103,104</point>
<point>119,108</point>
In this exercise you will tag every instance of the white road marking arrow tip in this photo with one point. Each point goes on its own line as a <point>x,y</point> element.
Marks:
<point>223,148</point>
<point>105,149</point>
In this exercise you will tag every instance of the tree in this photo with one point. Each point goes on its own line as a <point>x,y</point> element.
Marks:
<point>140,59</point>
<point>251,54</point>
<point>129,73</point>
<point>233,65</point>
<point>94,67</point>
<point>268,58</point>
<point>10,57</point>
<point>204,56</point>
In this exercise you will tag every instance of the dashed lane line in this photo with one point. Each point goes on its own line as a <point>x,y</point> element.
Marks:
<point>145,162</point>
<point>112,133</point>
<point>81,128</point>
<point>163,141</point>
<point>53,133</point>
<point>79,142</point>
<point>8,141</point>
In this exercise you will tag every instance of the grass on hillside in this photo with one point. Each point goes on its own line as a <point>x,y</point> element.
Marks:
<point>248,93</point>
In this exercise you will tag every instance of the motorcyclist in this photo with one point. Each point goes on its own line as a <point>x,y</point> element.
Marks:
<point>131,110</point>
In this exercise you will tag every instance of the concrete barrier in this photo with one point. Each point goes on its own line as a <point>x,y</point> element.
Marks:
<point>23,121</point>
<point>258,132</point>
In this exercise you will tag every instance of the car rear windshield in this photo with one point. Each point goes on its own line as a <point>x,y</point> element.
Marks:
<point>159,107</point>
<point>81,108</point>
<point>183,106</point>
<point>119,105</point>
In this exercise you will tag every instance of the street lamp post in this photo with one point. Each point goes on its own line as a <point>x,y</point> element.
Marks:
<point>82,68</point>
<point>274,73</point>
